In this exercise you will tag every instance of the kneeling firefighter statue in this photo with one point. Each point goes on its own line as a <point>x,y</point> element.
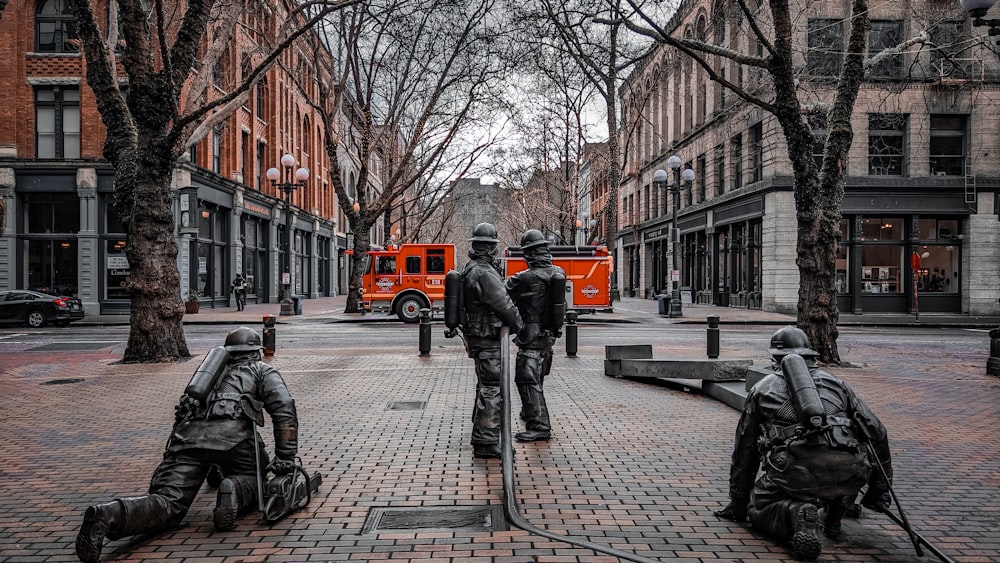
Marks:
<point>214,427</point>
<point>477,302</point>
<point>819,445</point>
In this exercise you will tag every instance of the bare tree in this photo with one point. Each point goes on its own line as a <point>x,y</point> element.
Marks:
<point>414,83</point>
<point>149,128</point>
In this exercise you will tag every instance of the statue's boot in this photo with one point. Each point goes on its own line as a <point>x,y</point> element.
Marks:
<point>214,476</point>
<point>794,521</point>
<point>835,512</point>
<point>116,519</point>
<point>236,494</point>
<point>536,414</point>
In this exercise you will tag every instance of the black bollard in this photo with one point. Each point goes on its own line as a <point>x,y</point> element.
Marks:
<point>993,363</point>
<point>425,332</point>
<point>269,335</point>
<point>713,336</point>
<point>571,333</point>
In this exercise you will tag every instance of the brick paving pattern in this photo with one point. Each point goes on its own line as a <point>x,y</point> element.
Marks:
<point>632,465</point>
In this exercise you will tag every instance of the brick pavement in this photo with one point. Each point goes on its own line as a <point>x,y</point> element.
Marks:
<point>635,466</point>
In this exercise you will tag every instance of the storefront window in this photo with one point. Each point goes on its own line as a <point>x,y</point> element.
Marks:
<point>52,213</point>
<point>844,257</point>
<point>884,229</point>
<point>116,269</point>
<point>880,267</point>
<point>52,266</point>
<point>939,260</point>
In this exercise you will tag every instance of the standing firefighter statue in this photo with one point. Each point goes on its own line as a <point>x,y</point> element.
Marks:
<point>540,295</point>
<point>214,426</point>
<point>477,302</point>
<point>819,445</point>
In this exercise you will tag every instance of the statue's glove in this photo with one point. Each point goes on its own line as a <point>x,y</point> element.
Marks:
<point>281,466</point>
<point>737,512</point>
<point>877,499</point>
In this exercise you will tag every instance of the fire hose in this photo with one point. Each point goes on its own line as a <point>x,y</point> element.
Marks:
<point>507,459</point>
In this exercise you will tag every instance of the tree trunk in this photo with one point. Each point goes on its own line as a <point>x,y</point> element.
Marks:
<point>362,243</point>
<point>157,330</point>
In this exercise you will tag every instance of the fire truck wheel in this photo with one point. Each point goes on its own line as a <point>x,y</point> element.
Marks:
<point>408,308</point>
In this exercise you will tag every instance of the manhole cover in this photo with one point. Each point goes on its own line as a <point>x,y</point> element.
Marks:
<point>70,346</point>
<point>467,518</point>
<point>406,406</point>
<point>62,381</point>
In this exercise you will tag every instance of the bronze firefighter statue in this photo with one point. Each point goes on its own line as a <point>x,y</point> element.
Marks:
<point>819,445</point>
<point>214,426</point>
<point>540,295</point>
<point>477,302</point>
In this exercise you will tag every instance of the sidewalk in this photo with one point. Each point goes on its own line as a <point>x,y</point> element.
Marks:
<point>635,466</point>
<point>626,310</point>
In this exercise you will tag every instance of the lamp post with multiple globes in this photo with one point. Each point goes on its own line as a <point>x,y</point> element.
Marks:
<point>300,175</point>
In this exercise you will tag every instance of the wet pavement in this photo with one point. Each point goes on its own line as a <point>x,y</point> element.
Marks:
<point>635,466</point>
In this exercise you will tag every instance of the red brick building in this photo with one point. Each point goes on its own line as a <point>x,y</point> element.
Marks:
<point>61,234</point>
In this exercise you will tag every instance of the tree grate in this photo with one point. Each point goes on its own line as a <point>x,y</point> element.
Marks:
<point>438,518</point>
<point>406,405</point>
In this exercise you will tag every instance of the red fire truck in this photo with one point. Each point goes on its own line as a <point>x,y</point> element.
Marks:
<point>588,274</point>
<point>406,278</point>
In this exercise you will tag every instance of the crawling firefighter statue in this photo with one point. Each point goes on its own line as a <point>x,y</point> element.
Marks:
<point>819,445</point>
<point>477,302</point>
<point>540,295</point>
<point>214,426</point>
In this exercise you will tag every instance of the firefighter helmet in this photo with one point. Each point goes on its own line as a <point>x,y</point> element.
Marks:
<point>532,238</point>
<point>243,339</point>
<point>484,232</point>
<point>791,340</point>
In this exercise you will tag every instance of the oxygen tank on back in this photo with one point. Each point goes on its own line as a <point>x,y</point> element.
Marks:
<point>557,301</point>
<point>208,373</point>
<point>801,386</point>
<point>453,300</point>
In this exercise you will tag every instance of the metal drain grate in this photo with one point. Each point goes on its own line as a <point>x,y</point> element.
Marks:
<point>406,406</point>
<point>440,518</point>
<point>62,381</point>
<point>70,346</point>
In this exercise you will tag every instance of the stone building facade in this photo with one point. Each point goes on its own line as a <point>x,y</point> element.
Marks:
<point>922,173</point>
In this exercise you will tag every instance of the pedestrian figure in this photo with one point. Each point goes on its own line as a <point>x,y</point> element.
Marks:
<point>239,288</point>
<point>487,308</point>
<point>217,429</point>
<point>819,444</point>
<point>530,291</point>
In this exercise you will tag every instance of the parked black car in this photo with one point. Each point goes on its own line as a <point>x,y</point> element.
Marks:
<point>36,309</point>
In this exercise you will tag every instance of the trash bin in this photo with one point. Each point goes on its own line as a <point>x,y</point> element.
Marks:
<point>297,303</point>
<point>663,304</point>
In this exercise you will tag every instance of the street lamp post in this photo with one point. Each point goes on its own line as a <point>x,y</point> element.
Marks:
<point>586,223</point>
<point>660,181</point>
<point>300,176</point>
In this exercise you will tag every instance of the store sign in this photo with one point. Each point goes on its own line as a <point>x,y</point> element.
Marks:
<point>256,208</point>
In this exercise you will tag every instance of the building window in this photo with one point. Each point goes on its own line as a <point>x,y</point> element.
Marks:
<point>193,154</point>
<point>817,124</point>
<point>886,141</point>
<point>826,46</point>
<point>720,170</point>
<point>886,34</point>
<point>757,152</point>
<point>259,170</point>
<point>52,213</point>
<point>882,255</point>
<point>949,40</point>
<point>702,180</point>
<point>55,28</point>
<point>737,149</point>
<point>844,257</point>
<point>947,146</point>
<point>939,255</point>
<point>217,149</point>
<point>261,88</point>
<point>57,123</point>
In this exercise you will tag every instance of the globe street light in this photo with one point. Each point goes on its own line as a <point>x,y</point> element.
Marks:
<point>288,186</point>
<point>660,181</point>
<point>977,9</point>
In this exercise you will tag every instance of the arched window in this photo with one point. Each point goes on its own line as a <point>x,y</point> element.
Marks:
<point>55,28</point>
